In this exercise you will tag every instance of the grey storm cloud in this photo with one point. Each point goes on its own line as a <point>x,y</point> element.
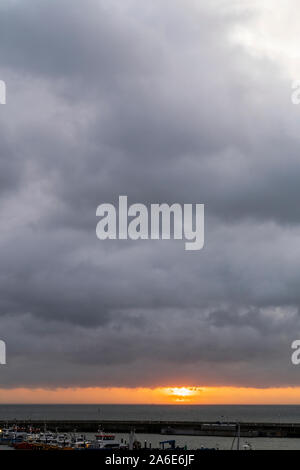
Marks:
<point>152,100</point>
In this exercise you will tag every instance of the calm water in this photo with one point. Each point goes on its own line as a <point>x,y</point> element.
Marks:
<point>271,413</point>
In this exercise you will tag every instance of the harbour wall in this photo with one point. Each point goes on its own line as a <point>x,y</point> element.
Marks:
<point>284,430</point>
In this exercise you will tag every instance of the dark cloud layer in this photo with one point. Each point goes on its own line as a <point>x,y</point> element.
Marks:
<point>156,102</point>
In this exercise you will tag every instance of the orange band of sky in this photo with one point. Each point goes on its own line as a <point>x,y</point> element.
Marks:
<point>180,395</point>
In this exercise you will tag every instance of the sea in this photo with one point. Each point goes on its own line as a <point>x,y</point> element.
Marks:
<point>224,413</point>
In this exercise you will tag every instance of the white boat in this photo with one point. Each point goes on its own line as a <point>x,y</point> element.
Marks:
<point>46,437</point>
<point>63,440</point>
<point>80,442</point>
<point>105,441</point>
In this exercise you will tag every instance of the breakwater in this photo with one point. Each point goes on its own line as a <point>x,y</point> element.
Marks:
<point>284,430</point>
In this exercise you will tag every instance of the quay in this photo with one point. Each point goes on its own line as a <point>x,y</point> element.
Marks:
<point>195,428</point>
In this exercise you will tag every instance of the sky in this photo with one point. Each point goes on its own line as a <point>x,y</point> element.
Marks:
<point>164,101</point>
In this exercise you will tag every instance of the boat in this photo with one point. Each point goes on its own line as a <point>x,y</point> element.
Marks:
<point>79,443</point>
<point>105,441</point>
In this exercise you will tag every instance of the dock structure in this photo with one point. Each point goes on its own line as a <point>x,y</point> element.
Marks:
<point>192,428</point>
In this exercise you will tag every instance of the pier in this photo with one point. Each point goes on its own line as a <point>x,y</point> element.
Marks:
<point>196,428</point>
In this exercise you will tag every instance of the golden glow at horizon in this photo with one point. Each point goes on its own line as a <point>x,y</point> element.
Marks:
<point>180,395</point>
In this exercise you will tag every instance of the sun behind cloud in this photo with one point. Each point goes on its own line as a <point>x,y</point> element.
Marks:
<point>183,394</point>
